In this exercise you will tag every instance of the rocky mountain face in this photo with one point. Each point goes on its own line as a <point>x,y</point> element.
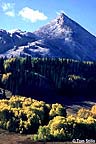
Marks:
<point>6,42</point>
<point>62,37</point>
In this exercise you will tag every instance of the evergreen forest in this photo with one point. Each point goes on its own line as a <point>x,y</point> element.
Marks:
<point>39,87</point>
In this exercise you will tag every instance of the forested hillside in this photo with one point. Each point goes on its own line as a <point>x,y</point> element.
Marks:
<point>47,77</point>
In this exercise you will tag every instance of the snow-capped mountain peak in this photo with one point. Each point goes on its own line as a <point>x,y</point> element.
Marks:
<point>14,30</point>
<point>62,37</point>
<point>60,19</point>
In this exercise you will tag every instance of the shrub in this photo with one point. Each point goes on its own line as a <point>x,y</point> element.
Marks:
<point>57,110</point>
<point>43,134</point>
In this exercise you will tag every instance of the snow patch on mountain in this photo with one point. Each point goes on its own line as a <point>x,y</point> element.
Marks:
<point>62,37</point>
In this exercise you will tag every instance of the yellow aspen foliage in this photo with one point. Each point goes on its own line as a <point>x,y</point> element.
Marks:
<point>93,109</point>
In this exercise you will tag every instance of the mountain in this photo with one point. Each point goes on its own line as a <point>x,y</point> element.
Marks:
<point>6,42</point>
<point>62,37</point>
<point>68,39</point>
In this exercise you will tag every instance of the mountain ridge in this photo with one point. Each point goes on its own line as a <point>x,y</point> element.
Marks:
<point>62,37</point>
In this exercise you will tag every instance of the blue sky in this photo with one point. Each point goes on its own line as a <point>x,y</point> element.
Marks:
<point>29,15</point>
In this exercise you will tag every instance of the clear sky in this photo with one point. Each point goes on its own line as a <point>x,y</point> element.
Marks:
<point>29,15</point>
